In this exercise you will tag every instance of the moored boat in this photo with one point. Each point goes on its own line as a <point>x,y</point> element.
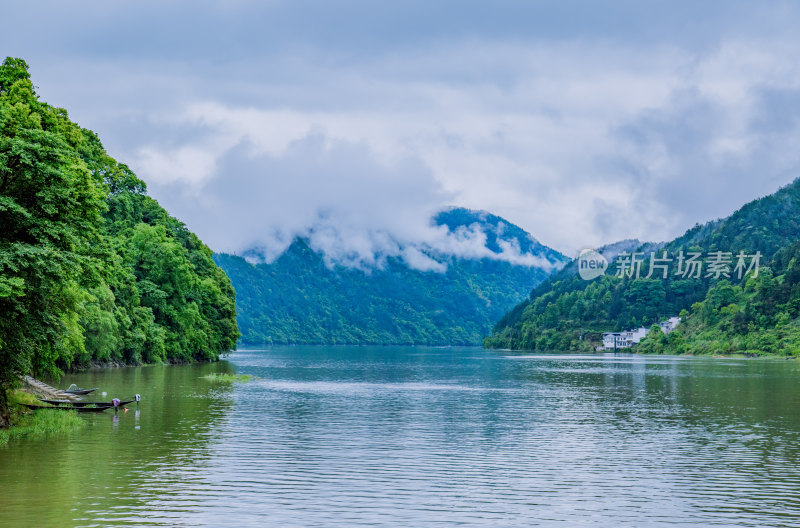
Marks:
<point>66,408</point>
<point>74,389</point>
<point>86,403</point>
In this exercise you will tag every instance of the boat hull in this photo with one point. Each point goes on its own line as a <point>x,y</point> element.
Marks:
<point>67,408</point>
<point>85,404</point>
<point>80,392</point>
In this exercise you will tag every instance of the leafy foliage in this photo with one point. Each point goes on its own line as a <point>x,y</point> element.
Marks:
<point>90,267</point>
<point>761,316</point>
<point>568,313</point>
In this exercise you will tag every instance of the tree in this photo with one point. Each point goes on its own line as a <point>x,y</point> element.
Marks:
<point>654,342</point>
<point>50,214</point>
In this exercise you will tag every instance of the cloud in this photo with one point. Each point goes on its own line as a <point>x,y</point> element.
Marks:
<point>256,122</point>
<point>609,144</point>
<point>187,164</point>
<point>335,194</point>
<point>349,205</point>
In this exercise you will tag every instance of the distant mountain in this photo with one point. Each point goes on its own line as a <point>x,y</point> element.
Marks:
<point>301,298</point>
<point>499,232</point>
<point>569,313</point>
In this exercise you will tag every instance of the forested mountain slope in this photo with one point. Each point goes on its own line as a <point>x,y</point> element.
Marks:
<point>756,317</point>
<point>299,298</point>
<point>568,313</point>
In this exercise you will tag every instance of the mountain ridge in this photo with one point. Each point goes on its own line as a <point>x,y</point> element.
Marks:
<point>301,298</point>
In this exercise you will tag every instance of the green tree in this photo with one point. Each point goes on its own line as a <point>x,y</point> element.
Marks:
<point>50,214</point>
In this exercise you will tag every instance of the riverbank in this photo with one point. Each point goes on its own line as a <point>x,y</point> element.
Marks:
<point>92,365</point>
<point>635,350</point>
<point>27,423</point>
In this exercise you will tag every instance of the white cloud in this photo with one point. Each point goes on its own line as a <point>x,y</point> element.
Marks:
<point>354,209</point>
<point>355,135</point>
<point>580,147</point>
<point>190,165</point>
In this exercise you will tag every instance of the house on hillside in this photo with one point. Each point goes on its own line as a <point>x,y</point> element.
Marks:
<point>669,325</point>
<point>609,341</point>
<point>628,338</point>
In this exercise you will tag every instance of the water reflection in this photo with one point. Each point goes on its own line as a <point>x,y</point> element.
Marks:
<point>105,470</point>
<point>338,436</point>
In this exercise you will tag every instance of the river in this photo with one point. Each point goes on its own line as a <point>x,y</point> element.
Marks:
<point>404,436</point>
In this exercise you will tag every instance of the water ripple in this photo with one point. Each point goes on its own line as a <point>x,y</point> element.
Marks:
<point>437,437</point>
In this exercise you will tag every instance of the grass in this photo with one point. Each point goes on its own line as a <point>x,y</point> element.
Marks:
<point>39,424</point>
<point>228,378</point>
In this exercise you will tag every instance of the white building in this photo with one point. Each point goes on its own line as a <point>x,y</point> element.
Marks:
<point>613,340</point>
<point>609,341</point>
<point>628,338</point>
<point>669,325</point>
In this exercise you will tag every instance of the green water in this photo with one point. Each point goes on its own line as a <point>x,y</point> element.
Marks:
<point>362,436</point>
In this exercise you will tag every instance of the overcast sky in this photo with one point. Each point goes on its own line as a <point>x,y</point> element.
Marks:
<point>582,122</point>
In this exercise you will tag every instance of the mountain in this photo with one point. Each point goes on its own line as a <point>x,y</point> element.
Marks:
<point>303,298</point>
<point>569,313</point>
<point>499,232</point>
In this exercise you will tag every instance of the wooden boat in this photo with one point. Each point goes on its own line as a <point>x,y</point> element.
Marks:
<point>85,403</point>
<point>74,389</point>
<point>66,408</point>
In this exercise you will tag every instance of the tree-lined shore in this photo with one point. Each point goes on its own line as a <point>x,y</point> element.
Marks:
<point>91,268</point>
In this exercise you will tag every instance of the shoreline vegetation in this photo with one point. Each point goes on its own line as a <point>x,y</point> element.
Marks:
<point>91,268</point>
<point>27,423</point>
<point>631,351</point>
<point>102,365</point>
<point>228,378</point>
